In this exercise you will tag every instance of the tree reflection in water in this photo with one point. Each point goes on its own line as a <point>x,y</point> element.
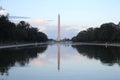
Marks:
<point>107,55</point>
<point>21,56</point>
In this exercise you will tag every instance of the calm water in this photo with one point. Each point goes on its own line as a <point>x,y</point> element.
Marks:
<point>60,62</point>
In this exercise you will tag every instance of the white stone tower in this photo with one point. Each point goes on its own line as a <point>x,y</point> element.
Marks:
<point>58,37</point>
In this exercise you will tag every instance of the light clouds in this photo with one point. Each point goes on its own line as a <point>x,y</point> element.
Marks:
<point>3,12</point>
<point>66,31</point>
<point>46,26</point>
<point>76,15</point>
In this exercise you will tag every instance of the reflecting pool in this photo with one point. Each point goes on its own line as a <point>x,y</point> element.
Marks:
<point>60,62</point>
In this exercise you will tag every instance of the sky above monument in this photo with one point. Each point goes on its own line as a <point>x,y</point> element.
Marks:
<point>76,15</point>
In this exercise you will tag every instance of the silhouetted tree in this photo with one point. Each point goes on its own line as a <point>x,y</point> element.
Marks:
<point>21,32</point>
<point>108,32</point>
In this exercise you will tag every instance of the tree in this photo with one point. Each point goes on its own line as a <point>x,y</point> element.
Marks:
<point>21,32</point>
<point>108,32</point>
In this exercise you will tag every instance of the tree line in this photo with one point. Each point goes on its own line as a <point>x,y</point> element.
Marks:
<point>108,32</point>
<point>21,32</point>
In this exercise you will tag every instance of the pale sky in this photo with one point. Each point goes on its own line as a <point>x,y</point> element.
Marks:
<point>76,15</point>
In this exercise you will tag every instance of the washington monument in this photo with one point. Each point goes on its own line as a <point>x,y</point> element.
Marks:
<point>58,37</point>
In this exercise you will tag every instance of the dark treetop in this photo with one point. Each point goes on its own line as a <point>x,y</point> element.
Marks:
<point>108,32</point>
<point>21,32</point>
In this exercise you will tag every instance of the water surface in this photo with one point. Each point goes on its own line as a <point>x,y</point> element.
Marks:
<point>60,62</point>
